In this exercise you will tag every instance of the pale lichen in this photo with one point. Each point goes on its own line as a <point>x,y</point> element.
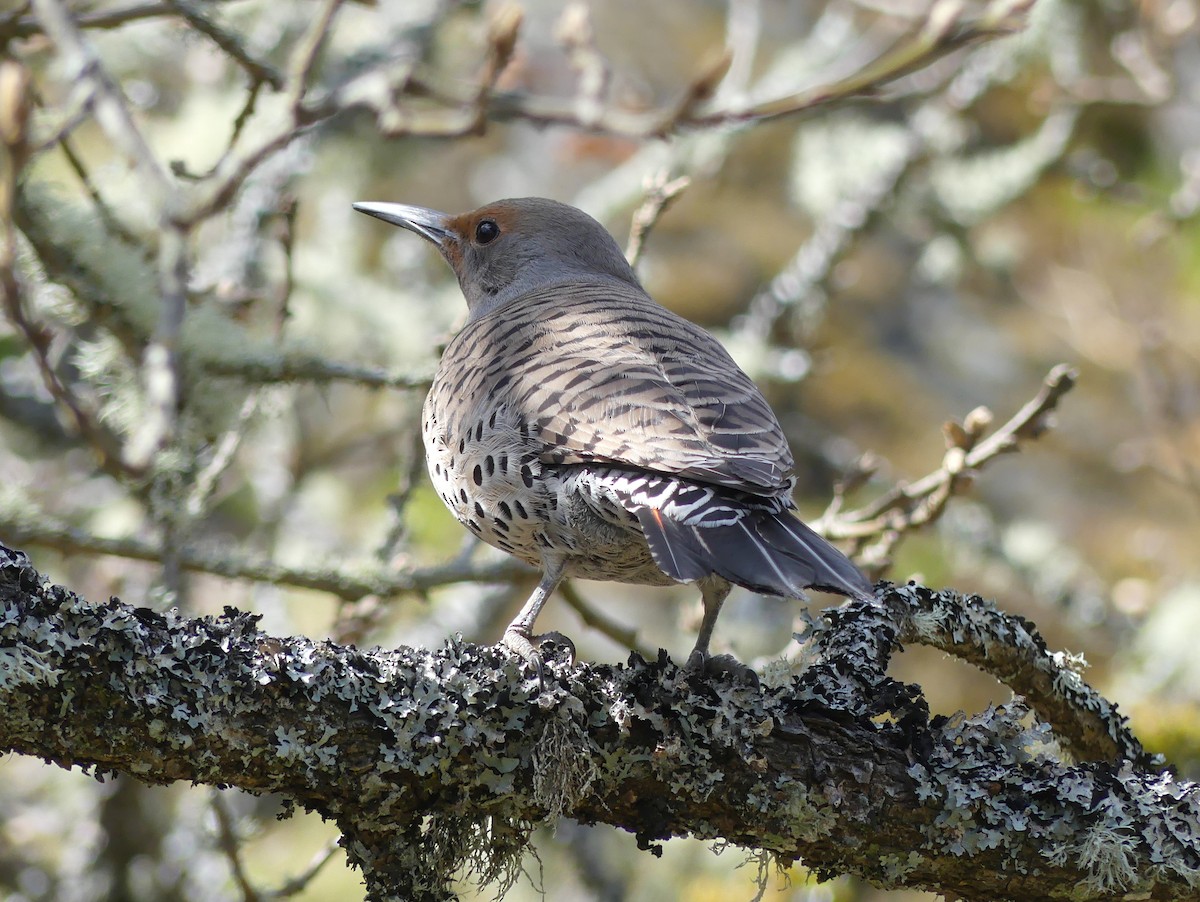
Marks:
<point>442,762</point>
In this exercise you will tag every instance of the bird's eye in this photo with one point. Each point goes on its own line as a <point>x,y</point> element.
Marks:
<point>487,231</point>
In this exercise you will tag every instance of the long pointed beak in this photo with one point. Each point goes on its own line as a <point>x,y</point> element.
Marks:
<point>429,224</point>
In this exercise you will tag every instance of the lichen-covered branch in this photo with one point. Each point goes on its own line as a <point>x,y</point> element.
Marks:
<point>432,760</point>
<point>1010,648</point>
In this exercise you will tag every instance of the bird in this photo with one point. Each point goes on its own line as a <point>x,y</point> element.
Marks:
<point>579,425</point>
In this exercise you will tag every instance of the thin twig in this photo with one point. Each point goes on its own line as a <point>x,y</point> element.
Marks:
<point>107,216</point>
<point>287,243</point>
<point>27,27</point>
<point>877,527</point>
<point>231,171</point>
<point>801,278</point>
<point>160,369</point>
<point>411,476</point>
<point>229,843</point>
<point>179,168</point>
<point>111,111</point>
<point>71,267</point>
<point>206,480</point>
<point>1027,423</point>
<point>298,366</point>
<point>38,338</point>
<point>160,373</point>
<point>258,70</point>
<point>743,30</point>
<point>626,637</point>
<point>575,33</point>
<point>912,54</point>
<point>456,116</point>
<point>304,56</point>
<point>661,192</point>
<point>298,883</point>
<point>78,111</point>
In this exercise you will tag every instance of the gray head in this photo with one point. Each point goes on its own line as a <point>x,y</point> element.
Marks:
<point>509,248</point>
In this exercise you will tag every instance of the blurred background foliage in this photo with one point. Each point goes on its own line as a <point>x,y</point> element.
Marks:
<point>879,266</point>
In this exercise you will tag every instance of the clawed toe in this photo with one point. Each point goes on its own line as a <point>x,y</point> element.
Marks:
<point>557,639</point>
<point>527,647</point>
<point>720,667</point>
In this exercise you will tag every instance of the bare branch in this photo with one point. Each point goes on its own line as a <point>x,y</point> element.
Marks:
<point>339,579</point>
<point>299,366</point>
<point>946,35</point>
<point>12,133</point>
<point>83,417</point>
<point>301,881</point>
<point>601,622</point>
<point>205,483</point>
<point>18,27</point>
<point>258,70</point>
<point>230,844</point>
<point>106,213</point>
<point>304,56</point>
<point>908,506</point>
<point>574,32</point>
<point>661,192</point>
<point>161,376</point>
<point>108,102</point>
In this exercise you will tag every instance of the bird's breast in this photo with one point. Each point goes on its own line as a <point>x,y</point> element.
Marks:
<point>494,474</point>
<point>483,459</point>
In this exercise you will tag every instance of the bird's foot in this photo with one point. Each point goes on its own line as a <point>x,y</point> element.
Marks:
<point>527,647</point>
<point>723,667</point>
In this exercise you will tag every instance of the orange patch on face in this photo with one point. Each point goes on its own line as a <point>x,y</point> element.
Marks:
<point>500,213</point>
<point>464,225</point>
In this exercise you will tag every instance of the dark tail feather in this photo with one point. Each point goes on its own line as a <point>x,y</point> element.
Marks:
<point>773,553</point>
<point>674,547</point>
<point>832,570</point>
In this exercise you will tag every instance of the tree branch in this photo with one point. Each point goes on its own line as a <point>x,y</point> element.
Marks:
<point>908,506</point>
<point>1027,423</point>
<point>433,760</point>
<point>1010,648</point>
<point>340,580</point>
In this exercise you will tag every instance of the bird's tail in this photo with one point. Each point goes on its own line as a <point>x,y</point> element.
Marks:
<point>764,551</point>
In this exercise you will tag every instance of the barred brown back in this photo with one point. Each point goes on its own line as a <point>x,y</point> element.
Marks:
<point>604,374</point>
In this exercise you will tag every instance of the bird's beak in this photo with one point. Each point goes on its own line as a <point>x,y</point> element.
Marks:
<point>430,224</point>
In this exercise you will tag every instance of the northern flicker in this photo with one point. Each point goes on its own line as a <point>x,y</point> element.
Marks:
<point>580,426</point>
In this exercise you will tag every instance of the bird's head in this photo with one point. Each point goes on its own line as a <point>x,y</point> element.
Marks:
<point>509,248</point>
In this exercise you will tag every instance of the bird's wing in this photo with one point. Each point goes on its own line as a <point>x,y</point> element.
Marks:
<point>607,375</point>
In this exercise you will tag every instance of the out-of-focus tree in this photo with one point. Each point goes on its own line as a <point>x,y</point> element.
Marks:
<point>894,214</point>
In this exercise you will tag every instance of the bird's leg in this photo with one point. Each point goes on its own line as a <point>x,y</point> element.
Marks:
<point>518,636</point>
<point>713,592</point>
